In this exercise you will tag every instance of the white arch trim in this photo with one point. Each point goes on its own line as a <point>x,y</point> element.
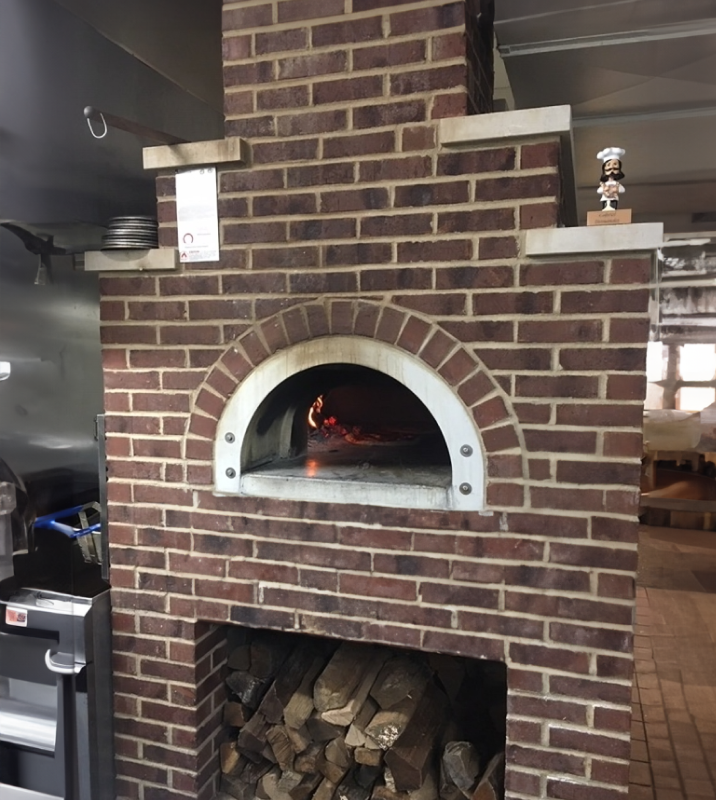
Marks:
<point>457,425</point>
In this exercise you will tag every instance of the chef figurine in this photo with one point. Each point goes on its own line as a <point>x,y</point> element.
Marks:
<point>609,186</point>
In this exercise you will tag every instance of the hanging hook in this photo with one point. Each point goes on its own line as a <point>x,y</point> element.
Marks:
<point>113,121</point>
<point>104,122</point>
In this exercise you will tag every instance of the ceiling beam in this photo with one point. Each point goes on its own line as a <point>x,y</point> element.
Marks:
<point>682,30</point>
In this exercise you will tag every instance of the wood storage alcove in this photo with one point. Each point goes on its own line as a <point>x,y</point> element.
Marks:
<point>350,420</point>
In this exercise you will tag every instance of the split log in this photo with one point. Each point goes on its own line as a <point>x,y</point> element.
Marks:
<point>350,789</point>
<point>409,758</point>
<point>269,786</point>
<point>325,790</point>
<point>386,726</point>
<point>331,771</point>
<point>307,762</point>
<point>236,714</point>
<point>268,652</point>
<point>281,746</point>
<point>384,793</point>
<point>288,681</point>
<point>252,739</point>
<point>356,736</point>
<point>347,713</point>
<point>461,765</point>
<point>427,791</point>
<point>300,707</point>
<point>371,758</point>
<point>492,782</point>
<point>400,677</point>
<point>230,758</point>
<point>339,679</point>
<point>247,687</point>
<point>322,731</point>
<point>289,780</point>
<point>300,739</point>
<point>447,789</point>
<point>236,787</point>
<point>366,775</point>
<point>253,771</point>
<point>335,760</point>
<point>337,753</point>
<point>306,787</point>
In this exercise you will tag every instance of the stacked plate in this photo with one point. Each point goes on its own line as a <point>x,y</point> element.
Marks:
<point>131,233</point>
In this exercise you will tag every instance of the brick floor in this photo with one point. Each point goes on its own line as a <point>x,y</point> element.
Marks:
<point>674,695</point>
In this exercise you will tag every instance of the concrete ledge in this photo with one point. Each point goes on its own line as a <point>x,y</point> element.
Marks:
<point>161,259</point>
<point>196,154</point>
<point>548,242</point>
<point>483,128</point>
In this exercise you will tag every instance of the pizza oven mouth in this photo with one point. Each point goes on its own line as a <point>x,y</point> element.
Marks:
<point>345,432</point>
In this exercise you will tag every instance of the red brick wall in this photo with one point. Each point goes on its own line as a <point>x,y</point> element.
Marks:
<point>381,233</point>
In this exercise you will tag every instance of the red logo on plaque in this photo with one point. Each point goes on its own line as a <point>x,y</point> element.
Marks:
<point>16,616</point>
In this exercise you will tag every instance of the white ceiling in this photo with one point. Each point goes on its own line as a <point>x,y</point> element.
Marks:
<point>639,74</point>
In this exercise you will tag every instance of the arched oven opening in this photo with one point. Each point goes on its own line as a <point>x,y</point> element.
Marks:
<point>350,420</point>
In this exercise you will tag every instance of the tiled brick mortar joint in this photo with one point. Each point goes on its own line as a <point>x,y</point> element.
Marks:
<point>329,223</point>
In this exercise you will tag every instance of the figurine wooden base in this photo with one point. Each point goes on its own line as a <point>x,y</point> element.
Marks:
<point>622,216</point>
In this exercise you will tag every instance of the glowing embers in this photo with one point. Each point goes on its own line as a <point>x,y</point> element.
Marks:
<point>378,410</point>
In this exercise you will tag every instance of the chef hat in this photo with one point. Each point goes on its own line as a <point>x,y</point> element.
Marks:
<point>610,152</point>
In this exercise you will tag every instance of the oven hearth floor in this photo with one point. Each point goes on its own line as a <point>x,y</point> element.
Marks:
<point>364,464</point>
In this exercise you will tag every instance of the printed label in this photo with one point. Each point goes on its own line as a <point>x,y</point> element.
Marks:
<point>16,616</point>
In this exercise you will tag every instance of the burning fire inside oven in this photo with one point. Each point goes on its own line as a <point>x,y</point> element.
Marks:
<point>323,425</point>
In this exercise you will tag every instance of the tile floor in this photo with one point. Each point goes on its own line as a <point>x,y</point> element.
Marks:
<point>674,719</point>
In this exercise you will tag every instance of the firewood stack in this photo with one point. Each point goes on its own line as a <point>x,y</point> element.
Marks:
<point>307,718</point>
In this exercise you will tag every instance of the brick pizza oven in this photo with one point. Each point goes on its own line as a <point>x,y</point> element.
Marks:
<point>376,247</point>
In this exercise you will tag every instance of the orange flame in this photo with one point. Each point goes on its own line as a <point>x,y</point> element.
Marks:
<point>313,411</point>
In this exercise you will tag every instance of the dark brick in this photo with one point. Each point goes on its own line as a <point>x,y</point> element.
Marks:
<point>396,225</point>
<point>490,219</point>
<point>246,17</point>
<point>381,115</point>
<point>357,30</point>
<point>562,274</point>
<point>308,66</point>
<point>309,9</point>
<point>446,250</point>
<point>394,169</point>
<point>284,204</point>
<point>359,144</point>
<point>477,161</point>
<point>354,200</point>
<point>516,188</point>
<point>359,253</point>
<point>339,228</point>
<point>276,42</point>
<point>347,89</point>
<point>481,277</point>
<point>427,80</point>
<point>312,122</point>
<point>389,55</point>
<point>432,18</point>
